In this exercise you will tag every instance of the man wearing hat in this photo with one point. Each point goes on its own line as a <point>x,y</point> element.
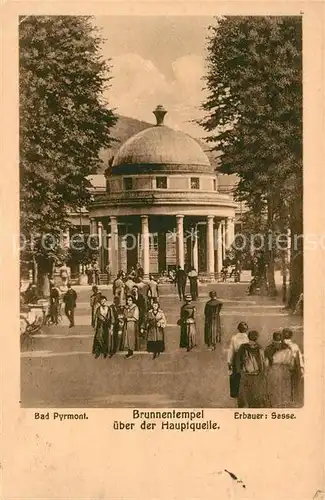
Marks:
<point>180,280</point>
<point>187,324</point>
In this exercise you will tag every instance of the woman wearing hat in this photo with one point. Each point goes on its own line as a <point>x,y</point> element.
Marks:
<point>212,325</point>
<point>155,327</point>
<point>103,329</point>
<point>187,324</point>
<point>251,365</point>
<point>131,332</point>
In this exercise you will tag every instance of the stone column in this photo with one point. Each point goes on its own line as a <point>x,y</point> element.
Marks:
<point>145,245</point>
<point>113,253</point>
<point>195,249</point>
<point>210,246</point>
<point>100,249</point>
<point>93,227</point>
<point>223,240</point>
<point>219,247</point>
<point>66,238</point>
<point>162,247</point>
<point>180,240</point>
<point>230,231</point>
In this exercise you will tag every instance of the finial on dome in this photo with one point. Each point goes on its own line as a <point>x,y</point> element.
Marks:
<point>159,113</point>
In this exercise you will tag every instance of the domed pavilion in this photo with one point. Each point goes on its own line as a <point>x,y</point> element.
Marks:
<point>162,206</point>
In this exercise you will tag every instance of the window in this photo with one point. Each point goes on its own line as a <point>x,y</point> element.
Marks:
<point>195,183</point>
<point>128,184</point>
<point>161,182</point>
<point>215,184</point>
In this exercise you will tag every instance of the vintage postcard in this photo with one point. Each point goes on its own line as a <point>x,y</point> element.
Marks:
<point>162,253</point>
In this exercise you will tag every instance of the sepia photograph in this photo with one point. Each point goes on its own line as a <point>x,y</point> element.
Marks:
<point>161,212</point>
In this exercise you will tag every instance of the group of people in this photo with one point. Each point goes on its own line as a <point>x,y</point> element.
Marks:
<point>265,378</point>
<point>134,318</point>
<point>68,297</point>
<point>179,278</point>
<point>93,273</point>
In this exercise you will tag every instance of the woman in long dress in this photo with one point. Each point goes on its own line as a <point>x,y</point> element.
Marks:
<point>155,326</point>
<point>94,303</point>
<point>251,364</point>
<point>212,324</point>
<point>187,323</point>
<point>131,335</point>
<point>297,374</point>
<point>193,277</point>
<point>235,342</point>
<point>279,361</point>
<point>103,339</point>
<point>119,289</point>
<point>117,312</point>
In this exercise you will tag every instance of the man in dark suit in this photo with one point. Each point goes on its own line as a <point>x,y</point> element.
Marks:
<point>180,280</point>
<point>70,299</point>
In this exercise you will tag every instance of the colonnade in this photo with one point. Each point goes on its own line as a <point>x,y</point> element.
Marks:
<point>220,235</point>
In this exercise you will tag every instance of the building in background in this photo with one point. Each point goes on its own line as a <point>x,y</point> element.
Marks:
<point>160,203</point>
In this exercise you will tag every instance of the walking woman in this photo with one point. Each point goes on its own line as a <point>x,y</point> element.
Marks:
<point>233,363</point>
<point>118,320</point>
<point>279,361</point>
<point>94,303</point>
<point>119,289</point>
<point>298,367</point>
<point>131,313</point>
<point>103,338</point>
<point>187,324</point>
<point>212,324</point>
<point>193,277</point>
<point>155,326</point>
<point>251,364</point>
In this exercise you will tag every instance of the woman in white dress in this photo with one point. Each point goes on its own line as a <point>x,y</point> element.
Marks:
<point>155,326</point>
<point>235,342</point>
<point>131,336</point>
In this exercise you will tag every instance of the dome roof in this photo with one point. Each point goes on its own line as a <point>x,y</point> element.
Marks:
<point>161,145</point>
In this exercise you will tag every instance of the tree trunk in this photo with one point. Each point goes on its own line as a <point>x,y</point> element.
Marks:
<point>43,284</point>
<point>270,249</point>
<point>34,272</point>
<point>296,253</point>
<point>43,272</point>
<point>284,275</point>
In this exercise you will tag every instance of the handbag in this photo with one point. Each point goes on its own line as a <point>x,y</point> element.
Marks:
<point>234,382</point>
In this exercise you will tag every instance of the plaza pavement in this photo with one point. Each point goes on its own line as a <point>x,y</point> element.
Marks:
<point>58,369</point>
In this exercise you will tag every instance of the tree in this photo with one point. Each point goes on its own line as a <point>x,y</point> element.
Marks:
<point>64,122</point>
<point>254,116</point>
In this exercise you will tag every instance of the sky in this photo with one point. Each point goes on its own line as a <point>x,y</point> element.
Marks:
<point>157,60</point>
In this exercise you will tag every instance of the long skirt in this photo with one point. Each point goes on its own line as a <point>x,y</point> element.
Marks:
<point>93,316</point>
<point>118,340</point>
<point>156,340</point>
<point>120,293</point>
<point>131,341</point>
<point>279,386</point>
<point>297,388</point>
<point>252,391</point>
<point>101,339</point>
<point>188,335</point>
<point>194,288</point>
<point>212,330</point>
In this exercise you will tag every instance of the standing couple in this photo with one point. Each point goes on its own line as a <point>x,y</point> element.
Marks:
<point>269,378</point>
<point>212,323</point>
<point>118,328</point>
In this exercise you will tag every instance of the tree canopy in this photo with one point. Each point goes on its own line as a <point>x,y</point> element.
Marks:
<point>64,121</point>
<point>254,112</point>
